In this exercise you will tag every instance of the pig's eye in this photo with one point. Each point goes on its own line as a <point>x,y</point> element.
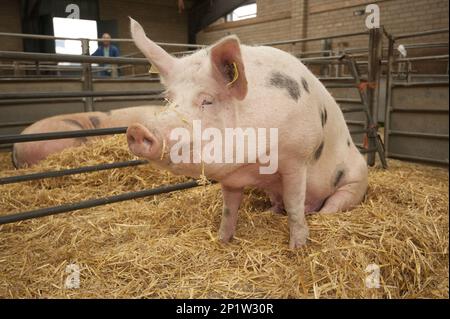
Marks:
<point>204,99</point>
<point>206,102</point>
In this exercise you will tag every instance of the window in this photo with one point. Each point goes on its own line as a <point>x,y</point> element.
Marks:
<point>74,28</point>
<point>243,12</point>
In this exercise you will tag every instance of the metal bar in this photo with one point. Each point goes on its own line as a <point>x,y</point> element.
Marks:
<point>352,122</point>
<point>418,158</point>
<point>87,78</point>
<point>31,78</point>
<point>71,171</point>
<point>324,58</point>
<point>418,134</point>
<point>419,34</point>
<point>15,124</point>
<point>407,110</point>
<point>368,150</point>
<point>373,77</point>
<point>13,55</point>
<point>350,101</point>
<point>342,78</point>
<point>352,110</point>
<point>340,85</point>
<point>419,84</point>
<point>39,95</point>
<point>49,37</point>
<point>130,98</point>
<point>363,131</point>
<point>423,58</point>
<point>344,35</point>
<point>11,218</point>
<point>388,96</point>
<point>6,146</point>
<point>20,138</point>
<point>407,46</point>
<point>32,102</point>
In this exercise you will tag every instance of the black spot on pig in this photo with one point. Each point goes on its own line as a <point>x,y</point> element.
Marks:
<point>305,85</point>
<point>74,123</point>
<point>348,142</point>
<point>285,82</point>
<point>95,121</point>
<point>226,211</point>
<point>338,177</point>
<point>318,151</point>
<point>324,116</point>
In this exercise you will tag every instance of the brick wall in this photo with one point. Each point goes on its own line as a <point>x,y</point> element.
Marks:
<point>276,20</point>
<point>273,22</point>
<point>397,16</point>
<point>10,22</point>
<point>315,18</point>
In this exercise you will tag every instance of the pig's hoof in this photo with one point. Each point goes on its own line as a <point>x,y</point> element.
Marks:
<point>278,210</point>
<point>299,239</point>
<point>225,238</point>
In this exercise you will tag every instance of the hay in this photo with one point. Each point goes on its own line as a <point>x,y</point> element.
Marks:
<point>166,247</point>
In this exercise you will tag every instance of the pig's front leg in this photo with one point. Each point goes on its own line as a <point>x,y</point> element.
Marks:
<point>294,194</point>
<point>232,198</point>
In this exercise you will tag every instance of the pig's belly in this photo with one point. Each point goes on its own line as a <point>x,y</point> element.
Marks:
<point>249,176</point>
<point>316,192</point>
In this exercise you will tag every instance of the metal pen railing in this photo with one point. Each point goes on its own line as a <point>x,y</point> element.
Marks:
<point>374,57</point>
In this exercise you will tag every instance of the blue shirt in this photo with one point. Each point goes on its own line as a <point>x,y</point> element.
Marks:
<point>113,51</point>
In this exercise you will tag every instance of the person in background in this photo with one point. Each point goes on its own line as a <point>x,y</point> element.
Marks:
<point>106,49</point>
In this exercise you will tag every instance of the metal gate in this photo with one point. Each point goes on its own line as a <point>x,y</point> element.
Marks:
<point>416,119</point>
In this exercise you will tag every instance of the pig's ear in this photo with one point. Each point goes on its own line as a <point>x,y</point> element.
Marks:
<point>163,61</point>
<point>228,67</point>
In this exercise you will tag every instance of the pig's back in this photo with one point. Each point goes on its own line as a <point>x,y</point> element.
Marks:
<point>338,150</point>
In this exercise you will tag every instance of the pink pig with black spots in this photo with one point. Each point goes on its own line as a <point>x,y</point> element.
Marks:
<point>229,85</point>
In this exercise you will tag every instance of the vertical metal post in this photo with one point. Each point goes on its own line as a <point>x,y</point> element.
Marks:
<point>114,71</point>
<point>87,78</point>
<point>388,106</point>
<point>373,78</point>
<point>16,67</point>
<point>38,67</point>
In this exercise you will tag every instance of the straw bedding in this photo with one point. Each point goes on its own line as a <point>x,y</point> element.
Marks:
<point>166,246</point>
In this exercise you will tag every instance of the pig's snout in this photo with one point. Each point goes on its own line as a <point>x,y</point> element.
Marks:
<point>142,142</point>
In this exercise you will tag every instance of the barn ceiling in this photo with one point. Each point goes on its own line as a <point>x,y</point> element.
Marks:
<point>204,12</point>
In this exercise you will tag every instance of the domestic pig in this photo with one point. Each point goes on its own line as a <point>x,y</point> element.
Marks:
<point>230,85</point>
<point>30,153</point>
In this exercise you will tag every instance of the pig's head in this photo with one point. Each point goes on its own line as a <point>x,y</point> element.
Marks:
<point>209,85</point>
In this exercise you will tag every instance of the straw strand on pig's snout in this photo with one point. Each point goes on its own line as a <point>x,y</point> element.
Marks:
<point>163,150</point>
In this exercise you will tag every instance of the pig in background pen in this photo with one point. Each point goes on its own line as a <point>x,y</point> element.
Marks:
<point>30,153</point>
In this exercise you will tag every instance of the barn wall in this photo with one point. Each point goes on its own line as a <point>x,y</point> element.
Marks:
<point>273,22</point>
<point>10,22</point>
<point>289,19</point>
<point>397,16</point>
<point>160,19</point>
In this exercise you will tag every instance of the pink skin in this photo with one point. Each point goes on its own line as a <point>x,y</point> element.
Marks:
<point>200,88</point>
<point>30,153</point>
